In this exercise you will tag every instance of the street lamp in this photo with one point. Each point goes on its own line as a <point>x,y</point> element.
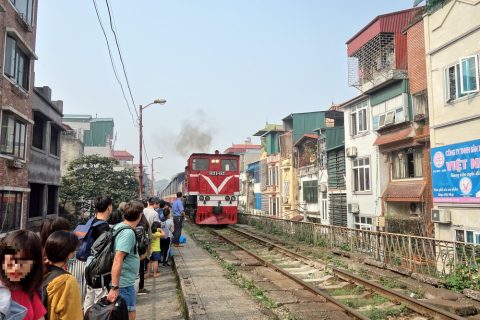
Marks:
<point>153,177</point>
<point>140,123</point>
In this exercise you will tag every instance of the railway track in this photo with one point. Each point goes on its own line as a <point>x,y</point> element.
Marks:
<point>357,297</point>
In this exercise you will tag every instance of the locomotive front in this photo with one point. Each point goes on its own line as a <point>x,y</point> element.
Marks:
<point>212,188</point>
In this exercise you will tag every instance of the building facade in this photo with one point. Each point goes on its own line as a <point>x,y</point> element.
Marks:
<point>17,53</point>
<point>452,64</point>
<point>45,157</point>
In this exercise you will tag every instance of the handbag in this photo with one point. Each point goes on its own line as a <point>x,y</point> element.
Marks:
<point>105,310</point>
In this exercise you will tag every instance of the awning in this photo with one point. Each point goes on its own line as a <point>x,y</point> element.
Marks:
<point>411,191</point>
<point>403,138</point>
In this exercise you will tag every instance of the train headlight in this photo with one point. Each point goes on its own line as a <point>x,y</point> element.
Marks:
<point>227,198</point>
<point>207,198</point>
<point>233,198</point>
<point>201,198</point>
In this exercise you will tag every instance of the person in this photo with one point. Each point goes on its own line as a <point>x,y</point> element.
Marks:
<point>22,270</point>
<point>178,217</point>
<point>126,262</point>
<point>103,206</point>
<point>167,227</point>
<point>150,211</point>
<point>63,296</point>
<point>157,235</point>
<point>49,226</point>
<point>160,208</point>
<point>143,230</point>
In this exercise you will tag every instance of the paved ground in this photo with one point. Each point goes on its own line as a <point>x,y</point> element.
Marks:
<point>162,303</point>
<point>206,291</point>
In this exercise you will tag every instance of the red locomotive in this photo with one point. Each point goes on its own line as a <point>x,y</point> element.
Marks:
<point>211,187</point>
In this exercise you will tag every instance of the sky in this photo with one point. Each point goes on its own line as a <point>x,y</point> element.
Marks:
<point>225,67</point>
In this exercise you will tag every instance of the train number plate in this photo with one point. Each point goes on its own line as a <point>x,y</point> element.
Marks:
<point>217,173</point>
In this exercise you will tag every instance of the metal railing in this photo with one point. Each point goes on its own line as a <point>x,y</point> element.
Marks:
<point>415,254</point>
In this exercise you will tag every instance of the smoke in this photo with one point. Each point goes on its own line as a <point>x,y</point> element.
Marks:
<point>195,135</point>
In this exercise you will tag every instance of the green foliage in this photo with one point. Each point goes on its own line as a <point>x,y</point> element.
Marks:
<point>356,303</point>
<point>391,283</point>
<point>381,314</point>
<point>91,176</point>
<point>345,247</point>
<point>463,277</point>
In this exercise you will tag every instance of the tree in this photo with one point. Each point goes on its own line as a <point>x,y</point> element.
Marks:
<point>91,176</point>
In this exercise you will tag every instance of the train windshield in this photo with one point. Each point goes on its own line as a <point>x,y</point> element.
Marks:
<point>229,165</point>
<point>200,164</point>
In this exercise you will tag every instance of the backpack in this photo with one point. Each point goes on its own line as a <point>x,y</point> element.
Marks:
<point>142,239</point>
<point>84,234</point>
<point>54,272</point>
<point>99,267</point>
<point>104,310</point>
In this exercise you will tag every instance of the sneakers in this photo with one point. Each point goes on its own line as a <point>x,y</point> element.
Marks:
<point>143,291</point>
<point>177,245</point>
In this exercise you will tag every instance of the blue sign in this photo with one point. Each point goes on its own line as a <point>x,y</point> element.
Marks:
<point>456,172</point>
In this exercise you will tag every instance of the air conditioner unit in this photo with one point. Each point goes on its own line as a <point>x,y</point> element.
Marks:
<point>352,152</point>
<point>15,163</point>
<point>353,208</point>
<point>323,187</point>
<point>380,222</point>
<point>441,216</point>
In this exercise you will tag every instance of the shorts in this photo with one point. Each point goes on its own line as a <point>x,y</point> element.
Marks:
<point>156,256</point>
<point>130,296</point>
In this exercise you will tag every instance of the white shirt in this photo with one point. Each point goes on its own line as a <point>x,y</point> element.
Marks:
<point>151,215</point>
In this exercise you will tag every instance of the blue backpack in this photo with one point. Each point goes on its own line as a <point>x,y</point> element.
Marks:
<point>84,234</point>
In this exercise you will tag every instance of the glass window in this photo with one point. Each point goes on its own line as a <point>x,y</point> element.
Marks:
<point>469,74</point>
<point>310,191</point>
<point>407,163</point>
<point>229,165</point>
<point>25,9</point>
<point>452,83</point>
<point>363,223</point>
<point>361,174</point>
<point>10,210</point>
<point>17,63</point>
<point>200,164</point>
<point>358,117</point>
<point>12,136</point>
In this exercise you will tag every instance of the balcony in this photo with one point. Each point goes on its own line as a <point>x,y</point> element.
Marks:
<point>273,158</point>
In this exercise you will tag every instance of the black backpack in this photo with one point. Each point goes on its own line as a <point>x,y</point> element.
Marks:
<point>99,268</point>
<point>142,239</point>
<point>52,274</point>
<point>104,310</point>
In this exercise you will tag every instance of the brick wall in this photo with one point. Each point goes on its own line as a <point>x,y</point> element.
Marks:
<point>417,72</point>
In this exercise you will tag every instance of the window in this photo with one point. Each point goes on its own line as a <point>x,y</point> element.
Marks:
<point>54,141</point>
<point>200,164</point>
<point>322,159</point>
<point>10,210</point>
<point>469,74</point>
<point>17,63</point>
<point>361,174</point>
<point>420,106</point>
<point>359,118</point>
<point>363,223</point>
<point>310,191</point>
<point>390,112</point>
<point>52,196</point>
<point>229,165</point>
<point>468,236</point>
<point>407,163</point>
<point>323,206</point>
<point>12,136</point>
<point>35,207</point>
<point>274,206</point>
<point>38,133</point>
<point>272,176</point>
<point>25,9</point>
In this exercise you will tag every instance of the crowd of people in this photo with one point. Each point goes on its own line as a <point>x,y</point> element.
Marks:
<point>38,280</point>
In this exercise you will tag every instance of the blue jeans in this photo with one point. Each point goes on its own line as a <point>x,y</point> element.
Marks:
<point>130,297</point>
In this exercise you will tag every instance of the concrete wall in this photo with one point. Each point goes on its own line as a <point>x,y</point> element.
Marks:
<point>71,149</point>
<point>101,151</point>
<point>452,32</point>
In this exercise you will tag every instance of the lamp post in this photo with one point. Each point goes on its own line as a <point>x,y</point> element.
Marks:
<point>153,177</point>
<point>140,124</point>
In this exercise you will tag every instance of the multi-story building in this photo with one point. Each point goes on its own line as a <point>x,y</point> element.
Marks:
<point>253,191</point>
<point>452,37</point>
<point>71,147</point>
<point>44,164</point>
<point>125,159</point>
<point>17,53</point>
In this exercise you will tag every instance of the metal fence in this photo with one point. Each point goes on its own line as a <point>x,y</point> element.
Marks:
<point>417,254</point>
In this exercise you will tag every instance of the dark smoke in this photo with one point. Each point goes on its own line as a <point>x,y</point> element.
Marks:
<point>195,135</point>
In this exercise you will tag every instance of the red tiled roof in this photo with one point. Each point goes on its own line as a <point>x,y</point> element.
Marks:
<point>242,148</point>
<point>411,191</point>
<point>393,137</point>
<point>122,155</point>
<point>307,135</point>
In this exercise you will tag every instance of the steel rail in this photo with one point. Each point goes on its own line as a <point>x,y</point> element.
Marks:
<point>420,307</point>
<point>349,311</point>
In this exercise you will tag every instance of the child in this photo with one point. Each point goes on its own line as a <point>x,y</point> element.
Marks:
<point>60,288</point>
<point>157,233</point>
<point>22,270</point>
<point>167,227</point>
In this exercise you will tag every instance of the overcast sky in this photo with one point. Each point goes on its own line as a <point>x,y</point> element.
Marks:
<point>224,67</point>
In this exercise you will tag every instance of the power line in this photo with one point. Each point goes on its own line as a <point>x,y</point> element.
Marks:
<point>120,54</point>
<point>113,63</point>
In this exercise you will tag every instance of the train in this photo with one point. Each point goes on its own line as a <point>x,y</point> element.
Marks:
<point>211,187</point>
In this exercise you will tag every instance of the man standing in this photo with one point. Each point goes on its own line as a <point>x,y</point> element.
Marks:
<point>103,206</point>
<point>126,262</point>
<point>178,216</point>
<point>150,211</point>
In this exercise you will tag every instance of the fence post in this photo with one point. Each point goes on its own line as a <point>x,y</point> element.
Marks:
<point>410,254</point>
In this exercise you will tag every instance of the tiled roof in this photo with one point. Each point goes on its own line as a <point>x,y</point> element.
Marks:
<point>396,136</point>
<point>122,155</point>
<point>411,191</point>
<point>307,135</point>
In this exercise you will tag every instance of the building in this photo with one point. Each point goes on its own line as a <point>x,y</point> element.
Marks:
<point>44,165</point>
<point>17,53</point>
<point>269,168</point>
<point>253,201</point>
<point>125,159</point>
<point>97,134</point>
<point>452,64</point>
<point>71,147</point>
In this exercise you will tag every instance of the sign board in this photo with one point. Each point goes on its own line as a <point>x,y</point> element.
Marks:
<point>456,172</point>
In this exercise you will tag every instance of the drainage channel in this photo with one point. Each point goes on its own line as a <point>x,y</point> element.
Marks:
<point>360,298</point>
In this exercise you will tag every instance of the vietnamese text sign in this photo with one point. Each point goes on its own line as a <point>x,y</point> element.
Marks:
<point>456,172</point>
